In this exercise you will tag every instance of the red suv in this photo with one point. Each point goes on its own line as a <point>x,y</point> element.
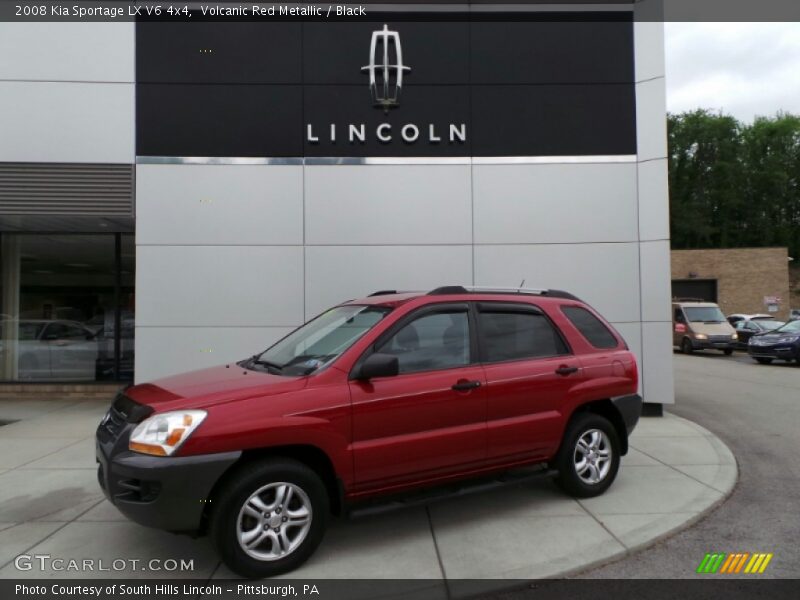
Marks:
<point>375,397</point>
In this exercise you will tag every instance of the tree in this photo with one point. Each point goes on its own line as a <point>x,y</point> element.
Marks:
<point>734,185</point>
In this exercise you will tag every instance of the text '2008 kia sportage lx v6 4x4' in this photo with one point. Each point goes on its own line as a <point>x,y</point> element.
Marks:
<point>375,397</point>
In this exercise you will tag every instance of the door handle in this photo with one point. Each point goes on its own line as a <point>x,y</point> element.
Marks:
<point>565,370</point>
<point>465,386</point>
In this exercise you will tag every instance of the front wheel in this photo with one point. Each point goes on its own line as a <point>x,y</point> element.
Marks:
<point>728,351</point>
<point>269,518</point>
<point>686,346</point>
<point>588,460</point>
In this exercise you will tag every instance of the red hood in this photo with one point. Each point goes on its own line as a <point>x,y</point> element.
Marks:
<point>207,387</point>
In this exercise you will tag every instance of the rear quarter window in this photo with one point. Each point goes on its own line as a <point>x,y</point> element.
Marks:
<point>592,328</point>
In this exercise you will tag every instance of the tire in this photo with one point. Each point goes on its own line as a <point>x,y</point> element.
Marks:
<point>274,547</point>
<point>571,478</point>
<point>686,346</point>
<point>728,352</point>
<point>764,361</point>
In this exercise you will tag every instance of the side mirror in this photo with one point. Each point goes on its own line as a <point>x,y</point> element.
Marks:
<point>378,365</point>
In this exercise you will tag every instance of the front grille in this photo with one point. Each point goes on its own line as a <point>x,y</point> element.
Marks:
<point>114,422</point>
<point>123,411</point>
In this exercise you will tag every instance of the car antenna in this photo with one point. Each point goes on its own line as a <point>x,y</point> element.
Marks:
<point>521,285</point>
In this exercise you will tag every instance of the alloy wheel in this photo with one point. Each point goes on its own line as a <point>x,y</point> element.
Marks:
<point>274,521</point>
<point>592,456</point>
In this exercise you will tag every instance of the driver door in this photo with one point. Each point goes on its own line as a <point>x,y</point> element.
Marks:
<point>430,419</point>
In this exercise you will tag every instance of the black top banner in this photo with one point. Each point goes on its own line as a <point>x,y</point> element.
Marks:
<point>234,10</point>
<point>373,589</point>
<point>547,87</point>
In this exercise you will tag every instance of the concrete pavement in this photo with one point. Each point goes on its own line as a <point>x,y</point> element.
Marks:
<point>755,409</point>
<point>50,503</point>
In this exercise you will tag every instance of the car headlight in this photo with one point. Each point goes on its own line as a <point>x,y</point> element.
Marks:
<point>734,336</point>
<point>162,434</point>
<point>788,339</point>
<point>701,336</point>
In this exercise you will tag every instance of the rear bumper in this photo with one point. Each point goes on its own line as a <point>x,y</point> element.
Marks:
<point>630,408</point>
<point>169,493</point>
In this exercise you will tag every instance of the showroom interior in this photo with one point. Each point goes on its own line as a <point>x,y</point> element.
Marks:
<point>178,195</point>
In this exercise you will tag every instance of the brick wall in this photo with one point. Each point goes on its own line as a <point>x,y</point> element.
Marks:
<point>744,276</point>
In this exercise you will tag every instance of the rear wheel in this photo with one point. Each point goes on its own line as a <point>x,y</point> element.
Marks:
<point>269,518</point>
<point>686,346</point>
<point>588,460</point>
<point>728,351</point>
<point>764,361</point>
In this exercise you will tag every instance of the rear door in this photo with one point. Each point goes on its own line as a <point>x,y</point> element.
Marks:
<point>529,372</point>
<point>430,419</point>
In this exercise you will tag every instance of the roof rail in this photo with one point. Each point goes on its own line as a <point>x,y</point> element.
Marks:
<point>382,293</point>
<point>691,300</point>
<point>448,289</point>
<point>461,289</point>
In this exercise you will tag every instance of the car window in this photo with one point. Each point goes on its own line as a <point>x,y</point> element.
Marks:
<point>590,327</point>
<point>65,332</point>
<point>319,341</point>
<point>679,315</point>
<point>29,331</point>
<point>516,336</point>
<point>431,342</point>
<point>704,314</point>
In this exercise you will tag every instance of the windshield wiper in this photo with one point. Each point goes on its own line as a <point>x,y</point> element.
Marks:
<point>254,360</point>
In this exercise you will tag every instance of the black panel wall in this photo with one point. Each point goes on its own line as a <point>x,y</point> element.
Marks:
<point>523,88</point>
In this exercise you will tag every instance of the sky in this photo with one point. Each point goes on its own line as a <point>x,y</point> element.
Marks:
<point>743,69</point>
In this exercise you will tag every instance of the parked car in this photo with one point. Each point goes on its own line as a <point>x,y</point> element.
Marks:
<point>384,395</point>
<point>735,318</point>
<point>698,325</point>
<point>794,314</point>
<point>780,344</point>
<point>53,350</point>
<point>747,329</point>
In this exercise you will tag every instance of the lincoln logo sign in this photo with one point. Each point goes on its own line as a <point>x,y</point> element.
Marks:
<point>385,70</point>
<point>383,93</point>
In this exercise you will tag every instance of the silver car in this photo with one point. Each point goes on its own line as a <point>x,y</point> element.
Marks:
<point>53,350</point>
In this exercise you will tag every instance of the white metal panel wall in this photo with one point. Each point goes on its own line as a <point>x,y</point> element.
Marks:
<point>67,92</point>
<point>85,52</point>
<point>656,325</point>
<point>66,122</point>
<point>219,205</point>
<point>520,204</point>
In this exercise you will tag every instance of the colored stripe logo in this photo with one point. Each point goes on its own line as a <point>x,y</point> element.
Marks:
<point>734,563</point>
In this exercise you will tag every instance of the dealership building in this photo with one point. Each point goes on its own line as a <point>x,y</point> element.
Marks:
<point>175,195</point>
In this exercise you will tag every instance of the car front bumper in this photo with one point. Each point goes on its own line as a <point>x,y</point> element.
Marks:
<point>784,351</point>
<point>728,344</point>
<point>166,492</point>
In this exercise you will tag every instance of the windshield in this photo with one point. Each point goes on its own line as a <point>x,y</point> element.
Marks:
<point>790,327</point>
<point>319,341</point>
<point>705,314</point>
